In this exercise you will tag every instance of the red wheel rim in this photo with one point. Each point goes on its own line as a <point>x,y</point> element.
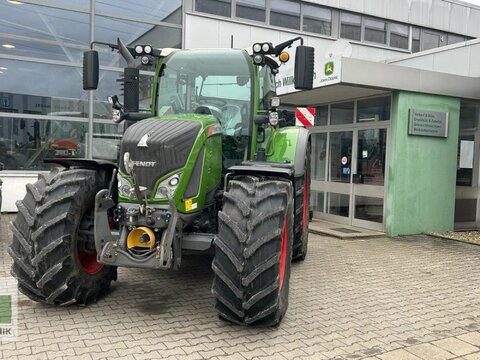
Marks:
<point>305,203</point>
<point>283,251</point>
<point>89,262</point>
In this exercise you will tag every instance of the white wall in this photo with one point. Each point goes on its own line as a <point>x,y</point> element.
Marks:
<point>458,59</point>
<point>13,189</point>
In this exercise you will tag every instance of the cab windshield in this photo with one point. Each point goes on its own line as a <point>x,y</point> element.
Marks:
<point>216,79</point>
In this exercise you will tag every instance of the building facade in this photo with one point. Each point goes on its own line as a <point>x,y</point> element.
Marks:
<point>367,169</point>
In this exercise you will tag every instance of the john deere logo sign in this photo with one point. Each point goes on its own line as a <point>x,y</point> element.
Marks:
<point>329,68</point>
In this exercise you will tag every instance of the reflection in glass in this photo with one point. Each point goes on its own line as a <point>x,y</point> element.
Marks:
<point>317,19</point>
<point>285,13</point>
<point>373,109</point>
<point>350,26</point>
<point>131,33</point>
<point>321,116</point>
<point>375,30</point>
<point>43,32</point>
<point>465,210</point>
<point>398,35</point>
<point>338,204</point>
<point>415,40</point>
<point>317,201</point>
<point>469,115</point>
<point>169,11</point>
<point>28,88</point>
<point>319,152</point>
<point>251,9</point>
<point>25,143</point>
<point>340,156</point>
<point>453,39</point>
<point>215,7</point>
<point>341,113</point>
<point>372,145</point>
<point>369,209</point>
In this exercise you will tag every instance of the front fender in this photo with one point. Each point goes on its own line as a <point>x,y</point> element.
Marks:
<point>289,144</point>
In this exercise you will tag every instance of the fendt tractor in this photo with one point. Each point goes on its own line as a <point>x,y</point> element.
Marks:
<point>210,166</point>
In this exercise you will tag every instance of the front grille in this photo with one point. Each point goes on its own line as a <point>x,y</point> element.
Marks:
<point>169,145</point>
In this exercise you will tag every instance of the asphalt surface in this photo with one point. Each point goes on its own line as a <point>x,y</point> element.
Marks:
<point>412,297</point>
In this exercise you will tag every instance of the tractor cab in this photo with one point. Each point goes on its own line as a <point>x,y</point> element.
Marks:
<point>215,82</point>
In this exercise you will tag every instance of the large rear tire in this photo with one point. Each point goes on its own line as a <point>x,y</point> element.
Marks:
<point>253,251</point>
<point>302,203</point>
<point>53,248</point>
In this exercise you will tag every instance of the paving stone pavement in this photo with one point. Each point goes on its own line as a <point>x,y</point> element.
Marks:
<point>412,297</point>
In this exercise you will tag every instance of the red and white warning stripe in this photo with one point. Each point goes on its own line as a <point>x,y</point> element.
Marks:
<point>305,116</point>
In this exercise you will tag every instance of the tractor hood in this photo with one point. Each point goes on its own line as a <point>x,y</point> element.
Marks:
<point>158,147</point>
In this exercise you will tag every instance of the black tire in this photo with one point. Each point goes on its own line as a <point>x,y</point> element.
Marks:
<point>253,251</point>
<point>52,221</point>
<point>302,202</point>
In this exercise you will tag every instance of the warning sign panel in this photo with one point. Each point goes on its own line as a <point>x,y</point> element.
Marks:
<point>305,116</point>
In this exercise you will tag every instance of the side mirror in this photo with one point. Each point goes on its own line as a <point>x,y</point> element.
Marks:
<point>90,70</point>
<point>304,67</point>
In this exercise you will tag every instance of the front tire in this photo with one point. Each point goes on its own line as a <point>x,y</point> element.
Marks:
<point>53,248</point>
<point>253,251</point>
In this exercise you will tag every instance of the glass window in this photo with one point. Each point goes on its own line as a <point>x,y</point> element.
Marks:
<point>317,201</point>
<point>369,209</point>
<point>338,204</point>
<point>317,19</point>
<point>215,7</point>
<point>469,115</point>
<point>371,150</point>
<point>465,210</point>
<point>432,40</point>
<point>285,13</point>
<point>251,9</point>
<point>350,26</point>
<point>321,116</point>
<point>415,40</point>
<point>465,160</point>
<point>340,156</point>
<point>25,143</point>
<point>218,80</point>
<point>267,87</point>
<point>341,113</point>
<point>43,32</point>
<point>373,109</point>
<point>131,33</point>
<point>27,87</point>
<point>375,30</point>
<point>156,10</point>
<point>453,39</point>
<point>398,35</point>
<point>319,154</point>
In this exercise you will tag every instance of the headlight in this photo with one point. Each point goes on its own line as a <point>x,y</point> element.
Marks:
<point>170,184</point>
<point>273,118</point>
<point>125,188</point>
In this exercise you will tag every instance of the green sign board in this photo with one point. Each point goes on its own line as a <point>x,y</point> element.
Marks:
<point>5,309</point>
<point>428,123</point>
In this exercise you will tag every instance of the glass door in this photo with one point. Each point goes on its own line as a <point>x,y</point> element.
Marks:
<point>368,190</point>
<point>348,176</point>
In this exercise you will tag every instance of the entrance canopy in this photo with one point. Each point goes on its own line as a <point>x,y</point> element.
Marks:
<point>350,78</point>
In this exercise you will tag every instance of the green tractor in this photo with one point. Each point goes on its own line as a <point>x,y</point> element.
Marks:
<point>211,166</point>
